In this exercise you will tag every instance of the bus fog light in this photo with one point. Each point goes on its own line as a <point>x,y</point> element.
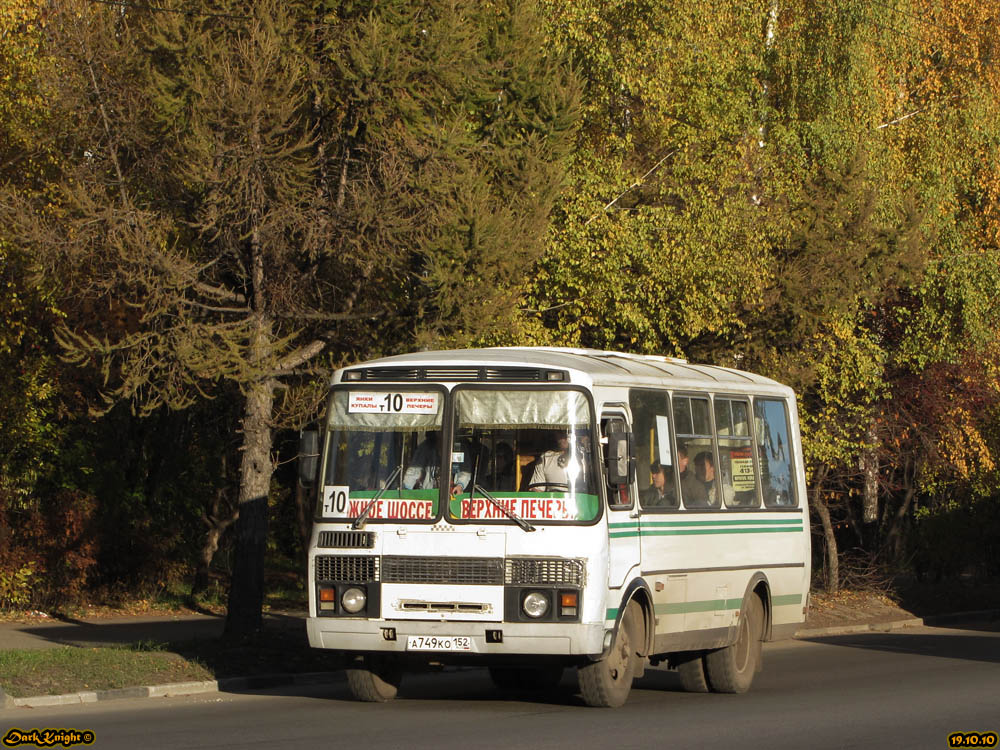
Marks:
<point>535,604</point>
<point>353,600</point>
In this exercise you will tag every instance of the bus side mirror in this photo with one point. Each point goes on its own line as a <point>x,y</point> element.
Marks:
<point>308,457</point>
<point>621,460</point>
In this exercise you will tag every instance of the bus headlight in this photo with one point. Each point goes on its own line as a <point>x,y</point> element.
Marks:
<point>535,604</point>
<point>353,600</point>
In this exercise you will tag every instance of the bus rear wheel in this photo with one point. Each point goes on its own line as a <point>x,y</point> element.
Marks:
<point>607,682</point>
<point>731,669</point>
<point>376,681</point>
<point>691,670</point>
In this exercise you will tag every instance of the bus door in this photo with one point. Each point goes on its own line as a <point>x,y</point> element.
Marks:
<point>623,515</point>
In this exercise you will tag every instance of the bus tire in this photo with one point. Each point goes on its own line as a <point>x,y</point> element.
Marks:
<point>692,672</point>
<point>607,682</point>
<point>731,669</point>
<point>377,681</point>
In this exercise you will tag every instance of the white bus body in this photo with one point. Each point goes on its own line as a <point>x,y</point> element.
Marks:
<point>619,541</point>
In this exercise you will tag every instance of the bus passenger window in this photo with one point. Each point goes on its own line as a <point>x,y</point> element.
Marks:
<point>654,451</point>
<point>775,450</point>
<point>737,476</point>
<point>699,489</point>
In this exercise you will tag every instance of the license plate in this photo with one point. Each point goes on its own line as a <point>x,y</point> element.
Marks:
<point>439,643</point>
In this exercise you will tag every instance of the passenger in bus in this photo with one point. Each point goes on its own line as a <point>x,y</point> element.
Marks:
<point>659,492</point>
<point>689,483</point>
<point>701,492</point>
<point>557,469</point>
<point>704,467</point>
<point>504,474</point>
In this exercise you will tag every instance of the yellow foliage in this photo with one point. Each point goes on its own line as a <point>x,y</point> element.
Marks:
<point>962,445</point>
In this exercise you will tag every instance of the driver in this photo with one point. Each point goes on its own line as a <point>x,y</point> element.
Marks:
<point>425,465</point>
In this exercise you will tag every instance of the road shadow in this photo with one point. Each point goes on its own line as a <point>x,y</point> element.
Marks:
<point>470,685</point>
<point>80,633</point>
<point>949,645</point>
<point>126,631</point>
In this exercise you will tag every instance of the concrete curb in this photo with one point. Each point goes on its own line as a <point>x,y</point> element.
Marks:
<point>226,684</point>
<point>885,627</point>
<point>872,627</point>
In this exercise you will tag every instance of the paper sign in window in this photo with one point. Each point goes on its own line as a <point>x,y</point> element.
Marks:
<point>663,440</point>
<point>742,463</point>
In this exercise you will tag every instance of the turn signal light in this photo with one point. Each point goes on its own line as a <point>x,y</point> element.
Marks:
<point>327,598</point>
<point>568,603</point>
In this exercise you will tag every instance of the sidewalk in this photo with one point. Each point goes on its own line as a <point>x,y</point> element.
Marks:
<point>171,628</point>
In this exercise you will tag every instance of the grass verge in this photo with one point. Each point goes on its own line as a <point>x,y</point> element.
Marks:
<point>69,669</point>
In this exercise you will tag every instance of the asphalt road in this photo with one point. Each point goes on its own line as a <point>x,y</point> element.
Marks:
<point>906,689</point>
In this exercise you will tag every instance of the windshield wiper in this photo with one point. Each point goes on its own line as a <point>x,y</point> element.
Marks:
<point>360,520</point>
<point>510,514</point>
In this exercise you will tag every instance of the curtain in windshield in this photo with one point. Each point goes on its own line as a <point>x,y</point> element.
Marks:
<point>529,449</point>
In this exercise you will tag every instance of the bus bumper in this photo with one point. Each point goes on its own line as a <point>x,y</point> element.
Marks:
<point>487,638</point>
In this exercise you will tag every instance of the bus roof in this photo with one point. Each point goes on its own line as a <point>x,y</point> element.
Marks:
<point>529,364</point>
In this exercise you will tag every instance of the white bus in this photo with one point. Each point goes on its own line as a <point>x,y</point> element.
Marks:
<point>533,509</point>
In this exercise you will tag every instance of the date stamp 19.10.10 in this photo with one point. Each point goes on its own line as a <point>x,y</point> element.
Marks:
<point>972,739</point>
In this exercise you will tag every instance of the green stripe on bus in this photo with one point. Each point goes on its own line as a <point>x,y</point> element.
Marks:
<point>708,605</point>
<point>749,522</point>
<point>689,532</point>
<point>786,599</point>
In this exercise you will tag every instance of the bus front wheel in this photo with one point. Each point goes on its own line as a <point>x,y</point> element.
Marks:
<point>731,669</point>
<point>607,682</point>
<point>376,681</point>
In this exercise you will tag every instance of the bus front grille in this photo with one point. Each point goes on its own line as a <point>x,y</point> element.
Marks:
<point>537,571</point>
<point>470,571</point>
<point>444,570</point>
<point>354,568</point>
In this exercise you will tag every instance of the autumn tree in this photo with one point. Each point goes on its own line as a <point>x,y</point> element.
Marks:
<point>254,190</point>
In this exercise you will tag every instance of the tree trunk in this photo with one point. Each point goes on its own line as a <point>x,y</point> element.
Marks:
<point>823,510</point>
<point>246,592</point>
<point>869,468</point>
<point>217,525</point>
<point>895,538</point>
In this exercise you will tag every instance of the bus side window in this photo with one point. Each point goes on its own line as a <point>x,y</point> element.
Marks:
<point>656,477</point>
<point>695,442</point>
<point>775,450</point>
<point>736,466</point>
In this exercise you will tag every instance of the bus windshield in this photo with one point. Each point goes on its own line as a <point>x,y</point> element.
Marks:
<point>531,450</point>
<point>384,444</point>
